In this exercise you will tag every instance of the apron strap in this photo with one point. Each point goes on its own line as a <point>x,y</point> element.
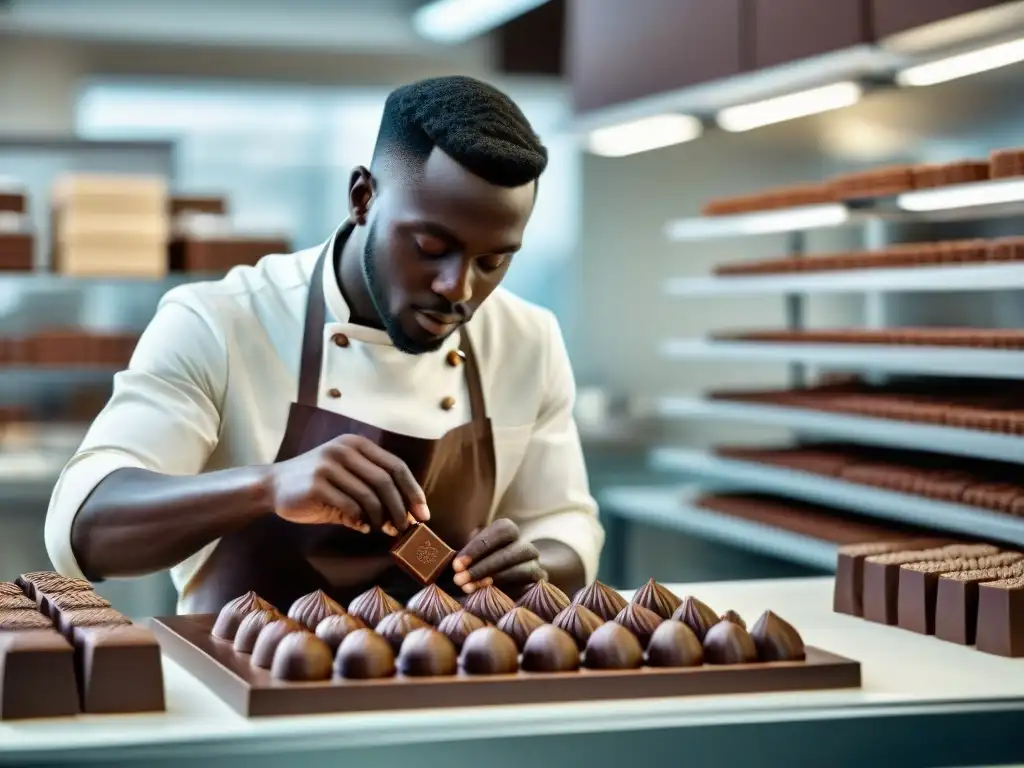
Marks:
<point>311,362</point>
<point>477,405</point>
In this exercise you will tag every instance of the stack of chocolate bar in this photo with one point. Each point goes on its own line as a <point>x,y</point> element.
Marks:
<point>209,243</point>
<point>16,241</point>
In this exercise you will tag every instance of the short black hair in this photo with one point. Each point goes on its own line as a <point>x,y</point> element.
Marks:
<point>472,122</point>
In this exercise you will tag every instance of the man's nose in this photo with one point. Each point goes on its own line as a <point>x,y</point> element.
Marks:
<point>454,280</point>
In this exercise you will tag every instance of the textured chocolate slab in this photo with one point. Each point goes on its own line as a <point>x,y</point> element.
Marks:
<point>37,675</point>
<point>956,602</point>
<point>422,554</point>
<point>1001,618</point>
<point>848,596</point>
<point>119,670</point>
<point>252,692</point>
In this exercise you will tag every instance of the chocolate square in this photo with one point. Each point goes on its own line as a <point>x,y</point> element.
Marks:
<point>422,554</point>
<point>119,670</point>
<point>37,675</point>
<point>956,606</point>
<point>915,601</point>
<point>1001,618</point>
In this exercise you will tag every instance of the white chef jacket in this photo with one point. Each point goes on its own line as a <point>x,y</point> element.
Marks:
<point>212,378</point>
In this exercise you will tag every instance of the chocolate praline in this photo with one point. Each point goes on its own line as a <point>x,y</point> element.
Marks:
<point>776,639</point>
<point>674,644</point>
<point>250,628</point>
<point>364,655</point>
<point>612,646</point>
<point>550,649</point>
<point>544,599</point>
<point>734,617</point>
<point>395,627</point>
<point>373,605</point>
<point>231,615</point>
<point>489,651</point>
<point>601,599</point>
<point>697,615</point>
<point>729,643</point>
<point>302,656</point>
<point>654,597</point>
<point>459,625</point>
<point>518,624</point>
<point>269,638</point>
<point>640,621</point>
<point>427,653</point>
<point>333,629</point>
<point>489,604</point>
<point>309,610</point>
<point>432,604</point>
<point>579,622</point>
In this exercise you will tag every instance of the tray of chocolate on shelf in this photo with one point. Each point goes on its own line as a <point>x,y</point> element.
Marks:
<point>65,651</point>
<point>376,654</point>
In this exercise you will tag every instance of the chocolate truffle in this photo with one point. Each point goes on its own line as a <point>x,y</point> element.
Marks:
<point>489,651</point>
<point>309,610</point>
<point>674,644</point>
<point>396,626</point>
<point>231,615</point>
<point>550,649</point>
<point>729,643</point>
<point>776,639</point>
<point>459,625</point>
<point>696,615</point>
<point>250,628</point>
<point>734,617</point>
<point>364,655</point>
<point>640,621</point>
<point>655,597</point>
<point>302,656</point>
<point>269,638</point>
<point>579,622</point>
<point>373,605</point>
<point>544,599</point>
<point>333,629</point>
<point>489,604</point>
<point>601,599</point>
<point>612,646</point>
<point>427,653</point>
<point>433,604</point>
<point>518,624</point>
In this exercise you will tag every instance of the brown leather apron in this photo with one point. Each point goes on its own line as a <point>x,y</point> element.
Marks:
<point>281,561</point>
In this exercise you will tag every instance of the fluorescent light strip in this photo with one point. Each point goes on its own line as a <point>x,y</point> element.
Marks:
<point>963,65</point>
<point>746,117</point>
<point>643,135</point>
<point>963,196</point>
<point>788,220</point>
<point>456,21</point>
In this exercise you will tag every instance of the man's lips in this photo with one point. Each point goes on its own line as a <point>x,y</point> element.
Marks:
<point>434,323</point>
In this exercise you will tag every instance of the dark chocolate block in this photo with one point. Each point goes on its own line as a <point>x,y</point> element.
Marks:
<point>848,596</point>
<point>119,670</point>
<point>882,572</point>
<point>956,602</point>
<point>37,675</point>
<point>422,554</point>
<point>1001,618</point>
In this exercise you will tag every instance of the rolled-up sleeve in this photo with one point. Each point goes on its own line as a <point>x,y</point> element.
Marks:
<point>549,497</point>
<point>163,415</point>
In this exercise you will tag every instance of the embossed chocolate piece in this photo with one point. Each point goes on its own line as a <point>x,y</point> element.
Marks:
<point>334,629</point>
<point>776,639</point>
<point>601,599</point>
<point>90,617</point>
<point>956,601</point>
<point>640,621</point>
<point>654,597</point>
<point>422,554</point>
<point>459,625</point>
<point>734,617</point>
<point>489,651</point>
<point>50,581</point>
<point>232,613</point>
<point>269,638</point>
<point>848,596</point>
<point>427,653</point>
<point>364,655</point>
<point>309,610</point>
<point>489,604</point>
<point>302,656</point>
<point>612,646</point>
<point>54,603</point>
<point>518,624</point>
<point>373,605</point>
<point>433,604</point>
<point>579,622</point>
<point>544,599</point>
<point>729,643</point>
<point>37,675</point>
<point>119,670</point>
<point>396,626</point>
<point>23,618</point>
<point>674,644</point>
<point>16,602</point>
<point>697,615</point>
<point>550,649</point>
<point>250,628</point>
<point>10,589</point>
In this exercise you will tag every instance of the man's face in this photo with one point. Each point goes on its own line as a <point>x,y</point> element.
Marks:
<point>436,247</point>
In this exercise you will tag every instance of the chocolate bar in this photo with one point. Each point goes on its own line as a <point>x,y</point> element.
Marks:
<point>848,595</point>
<point>37,675</point>
<point>422,554</point>
<point>54,603</point>
<point>50,582</point>
<point>1001,617</point>
<point>956,603</point>
<point>119,669</point>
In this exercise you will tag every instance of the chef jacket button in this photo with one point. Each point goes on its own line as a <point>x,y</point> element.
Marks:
<point>455,357</point>
<point>333,392</point>
<point>340,339</point>
<point>448,403</point>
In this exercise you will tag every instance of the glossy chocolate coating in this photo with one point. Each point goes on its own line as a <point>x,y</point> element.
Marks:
<point>302,656</point>
<point>734,617</point>
<point>601,599</point>
<point>657,598</point>
<point>432,604</point>
<point>373,605</point>
<point>697,615</point>
<point>459,625</point>
<point>612,646</point>
<point>544,599</point>
<point>250,628</point>
<point>231,615</point>
<point>776,639</point>
<point>674,644</point>
<point>489,651</point>
<point>269,638</point>
<point>579,622</point>
<point>396,626</point>
<point>729,643</point>
<point>364,655</point>
<point>309,610</point>
<point>640,621</point>
<point>550,649</point>
<point>427,653</point>
<point>333,629</point>
<point>489,604</point>
<point>518,624</point>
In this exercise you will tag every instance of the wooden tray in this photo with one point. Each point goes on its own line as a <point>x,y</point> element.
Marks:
<point>252,692</point>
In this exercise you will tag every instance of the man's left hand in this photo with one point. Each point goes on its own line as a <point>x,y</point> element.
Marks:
<point>496,555</point>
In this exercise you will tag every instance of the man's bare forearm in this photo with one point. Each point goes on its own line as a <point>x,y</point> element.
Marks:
<point>136,522</point>
<point>564,567</point>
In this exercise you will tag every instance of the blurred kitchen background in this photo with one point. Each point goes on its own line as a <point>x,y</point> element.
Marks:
<point>146,143</point>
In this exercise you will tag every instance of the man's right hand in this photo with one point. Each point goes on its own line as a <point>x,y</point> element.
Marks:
<point>348,481</point>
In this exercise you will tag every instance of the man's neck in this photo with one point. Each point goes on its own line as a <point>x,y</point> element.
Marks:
<point>348,265</point>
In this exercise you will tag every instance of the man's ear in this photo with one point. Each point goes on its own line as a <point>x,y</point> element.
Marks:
<point>360,193</point>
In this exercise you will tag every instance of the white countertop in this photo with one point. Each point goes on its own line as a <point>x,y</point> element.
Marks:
<point>903,673</point>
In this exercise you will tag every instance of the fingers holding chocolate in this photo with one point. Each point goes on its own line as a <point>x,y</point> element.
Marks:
<point>494,537</point>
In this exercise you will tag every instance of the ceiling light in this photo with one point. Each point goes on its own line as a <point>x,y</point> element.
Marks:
<point>746,117</point>
<point>963,196</point>
<point>963,64</point>
<point>643,135</point>
<point>787,220</point>
<point>456,21</point>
